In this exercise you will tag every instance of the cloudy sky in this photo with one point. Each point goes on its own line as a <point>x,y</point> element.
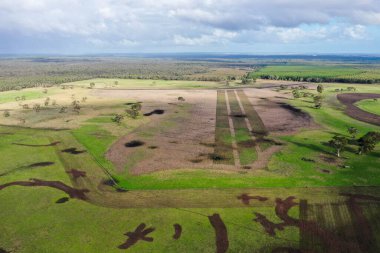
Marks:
<point>134,26</point>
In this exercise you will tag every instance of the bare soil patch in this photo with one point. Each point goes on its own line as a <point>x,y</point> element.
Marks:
<point>177,231</point>
<point>72,192</point>
<point>349,99</point>
<point>178,135</point>
<point>278,117</point>
<point>76,173</point>
<point>221,235</point>
<point>245,198</point>
<point>140,233</point>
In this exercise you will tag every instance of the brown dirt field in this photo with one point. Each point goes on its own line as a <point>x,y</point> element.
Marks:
<point>140,233</point>
<point>177,231</point>
<point>349,99</point>
<point>72,192</point>
<point>221,236</point>
<point>278,117</point>
<point>176,135</point>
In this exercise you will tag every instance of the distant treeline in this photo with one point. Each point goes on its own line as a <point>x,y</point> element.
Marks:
<point>28,73</point>
<point>334,73</point>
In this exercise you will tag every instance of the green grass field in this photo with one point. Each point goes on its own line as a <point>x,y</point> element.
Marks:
<point>319,73</point>
<point>32,221</point>
<point>370,105</point>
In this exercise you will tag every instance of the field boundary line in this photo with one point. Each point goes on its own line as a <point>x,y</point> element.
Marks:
<point>232,131</point>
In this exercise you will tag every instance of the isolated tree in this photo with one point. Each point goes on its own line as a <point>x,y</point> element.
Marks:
<point>353,132</point>
<point>92,85</point>
<point>368,142</point>
<point>317,102</point>
<point>118,118</point>
<point>84,99</point>
<point>63,109</point>
<point>181,99</point>
<point>338,142</point>
<point>6,113</point>
<point>296,93</point>
<point>47,101</point>
<point>45,91</point>
<point>37,107</point>
<point>116,82</point>
<point>320,88</point>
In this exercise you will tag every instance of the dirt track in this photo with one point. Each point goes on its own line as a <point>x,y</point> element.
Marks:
<point>349,99</point>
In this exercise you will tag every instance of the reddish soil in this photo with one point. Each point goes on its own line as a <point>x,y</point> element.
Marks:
<point>140,233</point>
<point>245,198</point>
<point>278,117</point>
<point>349,99</point>
<point>35,145</point>
<point>332,242</point>
<point>364,235</point>
<point>72,192</point>
<point>76,173</point>
<point>177,231</point>
<point>220,233</point>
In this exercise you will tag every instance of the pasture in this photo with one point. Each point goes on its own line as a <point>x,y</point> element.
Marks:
<point>198,166</point>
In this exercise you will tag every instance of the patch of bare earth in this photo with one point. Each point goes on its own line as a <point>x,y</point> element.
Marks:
<point>278,117</point>
<point>179,135</point>
<point>349,99</point>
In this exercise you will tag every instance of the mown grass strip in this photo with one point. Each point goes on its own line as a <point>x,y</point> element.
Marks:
<point>223,144</point>
<point>245,143</point>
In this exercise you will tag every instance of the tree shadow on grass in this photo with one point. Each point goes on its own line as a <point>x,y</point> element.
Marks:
<point>310,146</point>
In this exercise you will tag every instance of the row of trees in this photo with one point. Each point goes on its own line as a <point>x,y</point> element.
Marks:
<point>365,144</point>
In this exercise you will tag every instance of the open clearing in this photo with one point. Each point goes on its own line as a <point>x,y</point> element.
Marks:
<point>213,169</point>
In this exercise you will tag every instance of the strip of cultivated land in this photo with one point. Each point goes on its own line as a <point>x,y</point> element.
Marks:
<point>245,144</point>
<point>223,143</point>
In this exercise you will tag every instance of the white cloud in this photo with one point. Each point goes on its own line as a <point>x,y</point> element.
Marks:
<point>105,23</point>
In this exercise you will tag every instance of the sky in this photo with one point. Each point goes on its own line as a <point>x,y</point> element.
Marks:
<point>161,26</point>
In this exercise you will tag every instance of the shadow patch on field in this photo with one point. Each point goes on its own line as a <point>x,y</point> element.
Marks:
<point>40,164</point>
<point>177,231</point>
<point>216,157</point>
<point>73,151</point>
<point>297,112</point>
<point>157,111</point>
<point>134,144</point>
<point>133,103</point>
<point>4,251</point>
<point>152,147</point>
<point>62,200</point>
<point>36,145</point>
<point>239,116</point>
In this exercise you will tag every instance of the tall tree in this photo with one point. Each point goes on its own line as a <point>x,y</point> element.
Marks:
<point>338,142</point>
<point>368,142</point>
